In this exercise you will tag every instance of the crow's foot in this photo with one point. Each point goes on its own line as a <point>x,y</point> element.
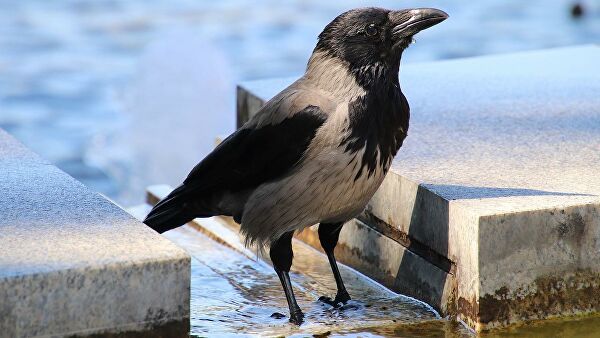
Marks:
<point>297,317</point>
<point>340,299</point>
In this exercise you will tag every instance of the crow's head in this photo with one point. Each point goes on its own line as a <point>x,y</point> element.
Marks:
<point>369,36</point>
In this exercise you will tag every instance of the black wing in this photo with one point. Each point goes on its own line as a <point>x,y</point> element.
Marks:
<point>244,160</point>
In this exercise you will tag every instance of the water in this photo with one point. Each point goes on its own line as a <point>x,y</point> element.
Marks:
<point>121,94</point>
<point>237,293</point>
<point>234,293</point>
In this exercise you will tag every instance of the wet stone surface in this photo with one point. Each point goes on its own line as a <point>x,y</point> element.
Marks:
<point>236,294</point>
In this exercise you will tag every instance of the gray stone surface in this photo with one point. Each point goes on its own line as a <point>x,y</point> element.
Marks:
<point>71,262</point>
<point>498,176</point>
<point>230,282</point>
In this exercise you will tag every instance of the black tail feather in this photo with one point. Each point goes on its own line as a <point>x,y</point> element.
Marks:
<point>169,213</point>
<point>167,220</point>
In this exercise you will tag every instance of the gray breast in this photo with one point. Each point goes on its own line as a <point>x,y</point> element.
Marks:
<point>323,188</point>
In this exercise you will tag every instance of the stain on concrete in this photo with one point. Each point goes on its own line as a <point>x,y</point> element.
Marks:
<point>451,306</point>
<point>494,307</point>
<point>468,311</point>
<point>571,229</point>
<point>76,281</point>
<point>553,295</point>
<point>157,315</point>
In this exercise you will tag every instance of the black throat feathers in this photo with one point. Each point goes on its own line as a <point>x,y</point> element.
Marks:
<point>378,120</point>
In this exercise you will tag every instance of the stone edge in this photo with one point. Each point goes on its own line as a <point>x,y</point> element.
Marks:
<point>11,300</point>
<point>455,298</point>
<point>29,295</point>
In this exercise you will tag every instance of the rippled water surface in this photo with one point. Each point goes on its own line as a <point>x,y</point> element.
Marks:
<point>233,293</point>
<point>88,83</point>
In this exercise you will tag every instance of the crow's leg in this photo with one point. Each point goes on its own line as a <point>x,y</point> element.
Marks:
<point>281,255</point>
<point>328,235</point>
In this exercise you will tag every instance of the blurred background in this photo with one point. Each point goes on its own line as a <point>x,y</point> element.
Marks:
<point>123,94</point>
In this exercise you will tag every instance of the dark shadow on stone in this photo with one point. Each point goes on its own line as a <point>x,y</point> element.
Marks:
<point>429,221</point>
<point>454,192</point>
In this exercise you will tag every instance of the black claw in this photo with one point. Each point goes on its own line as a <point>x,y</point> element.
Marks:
<point>328,300</point>
<point>340,299</point>
<point>297,317</point>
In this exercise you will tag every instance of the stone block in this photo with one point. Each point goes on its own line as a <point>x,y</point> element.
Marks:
<point>73,263</point>
<point>497,184</point>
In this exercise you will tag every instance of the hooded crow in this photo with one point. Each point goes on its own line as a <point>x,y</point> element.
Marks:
<point>317,151</point>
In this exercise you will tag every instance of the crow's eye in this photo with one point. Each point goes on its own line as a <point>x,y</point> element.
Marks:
<point>371,30</point>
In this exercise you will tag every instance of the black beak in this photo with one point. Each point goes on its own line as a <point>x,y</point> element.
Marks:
<point>409,22</point>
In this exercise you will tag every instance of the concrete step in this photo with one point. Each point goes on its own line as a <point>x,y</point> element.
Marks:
<point>235,292</point>
<point>73,263</point>
<point>495,193</point>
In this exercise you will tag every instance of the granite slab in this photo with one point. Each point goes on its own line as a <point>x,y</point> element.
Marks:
<point>73,263</point>
<point>497,182</point>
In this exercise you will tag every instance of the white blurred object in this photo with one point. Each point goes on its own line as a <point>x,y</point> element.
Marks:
<point>182,97</point>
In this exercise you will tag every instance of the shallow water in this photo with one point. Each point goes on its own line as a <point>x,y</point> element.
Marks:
<point>236,294</point>
<point>233,293</point>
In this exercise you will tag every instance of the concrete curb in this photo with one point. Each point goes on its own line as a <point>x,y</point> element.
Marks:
<point>496,187</point>
<point>73,263</point>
